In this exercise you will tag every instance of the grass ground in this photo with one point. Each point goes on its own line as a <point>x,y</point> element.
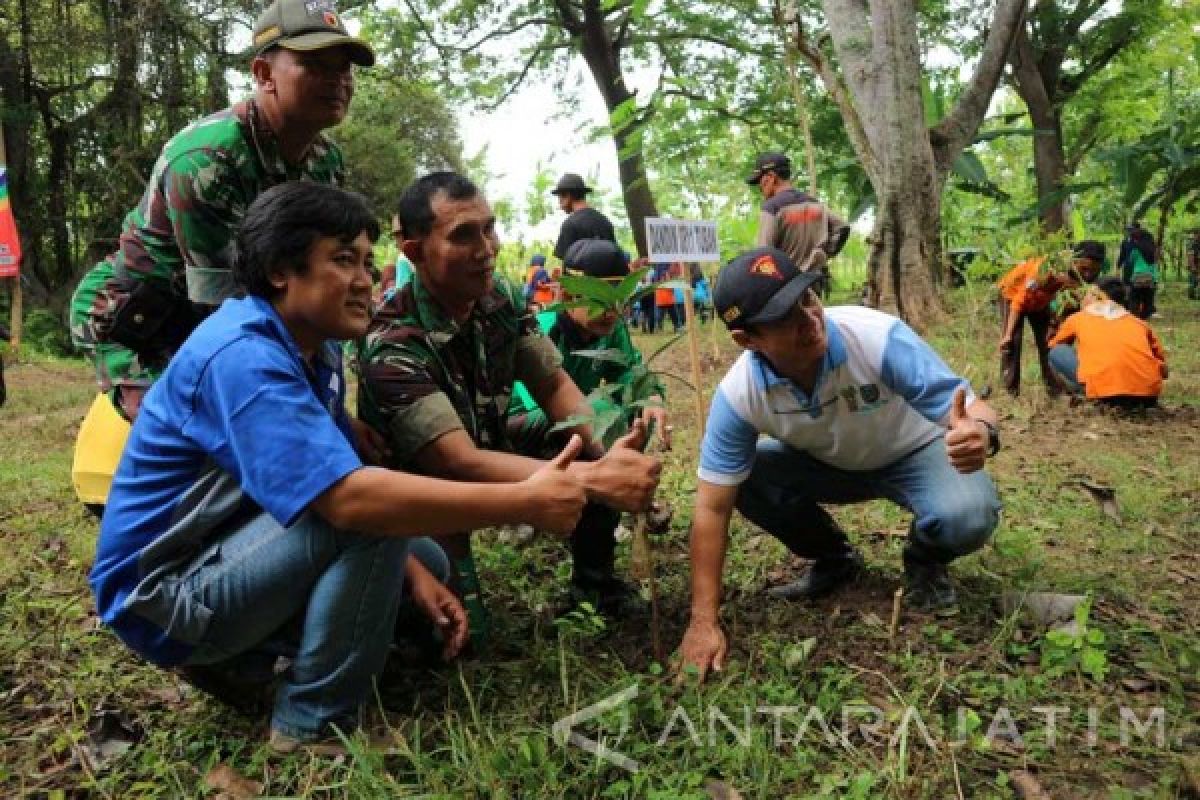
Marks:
<point>79,716</point>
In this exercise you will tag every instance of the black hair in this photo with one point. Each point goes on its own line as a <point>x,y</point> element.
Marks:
<point>784,171</point>
<point>415,207</point>
<point>1114,287</point>
<point>574,194</point>
<point>284,222</point>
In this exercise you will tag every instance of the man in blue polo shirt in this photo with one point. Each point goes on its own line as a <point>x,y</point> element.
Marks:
<point>242,523</point>
<point>854,406</point>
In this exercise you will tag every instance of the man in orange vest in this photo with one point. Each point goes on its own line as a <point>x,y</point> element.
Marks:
<point>1117,359</point>
<point>1026,292</point>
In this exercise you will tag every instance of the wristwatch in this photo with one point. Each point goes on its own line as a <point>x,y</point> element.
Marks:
<point>993,437</point>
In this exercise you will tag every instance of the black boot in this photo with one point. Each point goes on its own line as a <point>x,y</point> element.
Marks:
<point>823,576</point>
<point>927,584</point>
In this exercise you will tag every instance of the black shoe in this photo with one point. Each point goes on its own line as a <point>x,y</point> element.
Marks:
<point>927,586</point>
<point>611,597</point>
<point>249,697</point>
<point>823,576</point>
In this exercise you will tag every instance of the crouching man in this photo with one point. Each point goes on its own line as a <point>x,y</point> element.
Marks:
<point>854,406</point>
<point>242,522</point>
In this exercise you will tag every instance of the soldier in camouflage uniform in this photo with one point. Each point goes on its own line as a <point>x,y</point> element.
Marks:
<point>437,371</point>
<point>133,309</point>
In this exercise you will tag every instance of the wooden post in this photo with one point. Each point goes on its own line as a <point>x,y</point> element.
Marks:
<point>716,323</point>
<point>689,308</point>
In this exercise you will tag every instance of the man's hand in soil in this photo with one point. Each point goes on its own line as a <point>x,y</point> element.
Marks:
<point>966,438</point>
<point>704,647</point>
<point>625,478</point>
<point>557,494</point>
<point>441,606</point>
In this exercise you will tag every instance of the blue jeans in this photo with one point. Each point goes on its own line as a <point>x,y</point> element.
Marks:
<point>1065,362</point>
<point>326,598</point>
<point>953,514</point>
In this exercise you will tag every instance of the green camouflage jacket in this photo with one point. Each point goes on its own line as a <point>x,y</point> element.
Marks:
<point>180,233</point>
<point>422,375</point>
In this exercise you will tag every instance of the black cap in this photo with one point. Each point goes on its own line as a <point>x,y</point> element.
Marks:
<point>760,285</point>
<point>596,258</point>
<point>769,162</point>
<point>1090,248</point>
<point>570,182</point>
<point>307,25</point>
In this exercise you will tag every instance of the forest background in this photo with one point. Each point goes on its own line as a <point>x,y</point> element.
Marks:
<point>1002,128</point>
<point>1072,115</point>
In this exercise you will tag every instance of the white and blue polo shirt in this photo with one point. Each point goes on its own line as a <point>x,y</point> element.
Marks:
<point>881,394</point>
<point>239,422</point>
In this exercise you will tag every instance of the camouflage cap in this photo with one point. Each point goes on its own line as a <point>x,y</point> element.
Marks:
<point>307,25</point>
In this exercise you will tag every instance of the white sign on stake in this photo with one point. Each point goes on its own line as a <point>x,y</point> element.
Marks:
<point>682,240</point>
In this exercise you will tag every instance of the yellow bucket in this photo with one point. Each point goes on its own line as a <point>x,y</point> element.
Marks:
<point>98,450</point>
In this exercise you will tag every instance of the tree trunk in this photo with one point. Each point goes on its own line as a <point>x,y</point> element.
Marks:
<point>1050,167</point>
<point>905,257</point>
<point>901,249</point>
<point>878,90</point>
<point>218,88</point>
<point>1049,157</point>
<point>603,57</point>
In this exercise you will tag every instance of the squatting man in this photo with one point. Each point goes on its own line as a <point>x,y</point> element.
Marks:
<point>854,406</point>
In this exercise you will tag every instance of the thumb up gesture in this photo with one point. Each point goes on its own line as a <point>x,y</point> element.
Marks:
<point>557,495</point>
<point>966,437</point>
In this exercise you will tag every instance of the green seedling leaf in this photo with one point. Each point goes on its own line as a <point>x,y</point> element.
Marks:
<point>593,290</point>
<point>663,347</point>
<point>629,284</point>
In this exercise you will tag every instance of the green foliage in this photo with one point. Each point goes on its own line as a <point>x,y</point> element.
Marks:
<point>1078,649</point>
<point>46,333</point>
<point>615,402</point>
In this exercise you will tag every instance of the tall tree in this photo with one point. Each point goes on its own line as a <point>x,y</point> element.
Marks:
<point>1061,46</point>
<point>611,36</point>
<point>873,71</point>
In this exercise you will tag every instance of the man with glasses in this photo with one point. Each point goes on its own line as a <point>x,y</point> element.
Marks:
<point>851,405</point>
<point>796,223</point>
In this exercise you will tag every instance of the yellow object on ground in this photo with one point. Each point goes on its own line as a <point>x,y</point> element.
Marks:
<point>98,450</point>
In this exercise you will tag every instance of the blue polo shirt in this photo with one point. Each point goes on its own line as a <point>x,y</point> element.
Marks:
<point>239,422</point>
<point>881,393</point>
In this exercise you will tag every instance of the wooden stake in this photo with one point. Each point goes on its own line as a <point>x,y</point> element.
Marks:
<point>895,626</point>
<point>689,308</point>
<point>716,323</point>
<point>644,568</point>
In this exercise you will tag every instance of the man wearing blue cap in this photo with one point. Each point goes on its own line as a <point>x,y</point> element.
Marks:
<point>850,405</point>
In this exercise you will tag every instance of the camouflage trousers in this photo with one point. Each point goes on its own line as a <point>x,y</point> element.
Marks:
<point>119,372</point>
